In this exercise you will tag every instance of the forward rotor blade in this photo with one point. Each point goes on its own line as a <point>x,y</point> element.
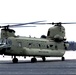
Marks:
<point>24,23</point>
<point>28,23</point>
<point>22,26</point>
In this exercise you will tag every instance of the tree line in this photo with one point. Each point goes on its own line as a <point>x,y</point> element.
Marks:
<point>72,45</point>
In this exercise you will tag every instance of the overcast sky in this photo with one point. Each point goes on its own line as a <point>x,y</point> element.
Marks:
<point>22,11</point>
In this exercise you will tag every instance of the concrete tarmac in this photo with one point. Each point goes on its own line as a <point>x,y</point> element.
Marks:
<point>50,67</point>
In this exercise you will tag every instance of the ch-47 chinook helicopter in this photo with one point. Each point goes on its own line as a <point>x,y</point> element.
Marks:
<point>53,45</point>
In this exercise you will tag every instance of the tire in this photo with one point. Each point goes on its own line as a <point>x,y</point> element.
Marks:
<point>15,60</point>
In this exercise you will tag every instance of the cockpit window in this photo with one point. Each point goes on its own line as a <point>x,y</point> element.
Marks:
<point>6,41</point>
<point>3,41</point>
<point>9,42</point>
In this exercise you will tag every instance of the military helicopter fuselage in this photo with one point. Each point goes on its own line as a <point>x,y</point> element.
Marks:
<point>18,46</point>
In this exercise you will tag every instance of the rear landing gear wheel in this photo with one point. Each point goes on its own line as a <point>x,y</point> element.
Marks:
<point>63,59</point>
<point>33,60</point>
<point>43,58</point>
<point>15,60</point>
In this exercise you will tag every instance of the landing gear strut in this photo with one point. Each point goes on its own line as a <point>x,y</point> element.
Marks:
<point>63,58</point>
<point>33,59</point>
<point>43,58</point>
<point>15,60</point>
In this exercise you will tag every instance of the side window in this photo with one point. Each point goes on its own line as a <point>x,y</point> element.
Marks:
<point>47,46</point>
<point>30,44</point>
<point>56,47</point>
<point>39,45</point>
<point>19,44</point>
<point>51,45</point>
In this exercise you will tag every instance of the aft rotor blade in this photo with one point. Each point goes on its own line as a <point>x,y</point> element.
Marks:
<point>58,23</point>
<point>69,23</point>
<point>44,23</point>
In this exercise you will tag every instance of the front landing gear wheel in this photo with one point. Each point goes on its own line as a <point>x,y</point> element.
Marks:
<point>63,59</point>
<point>33,60</point>
<point>15,60</point>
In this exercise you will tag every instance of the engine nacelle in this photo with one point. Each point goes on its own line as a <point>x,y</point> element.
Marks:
<point>58,38</point>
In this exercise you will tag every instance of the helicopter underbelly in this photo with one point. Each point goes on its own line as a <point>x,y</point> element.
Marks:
<point>44,52</point>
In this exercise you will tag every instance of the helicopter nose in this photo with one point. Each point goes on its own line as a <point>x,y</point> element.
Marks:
<point>3,48</point>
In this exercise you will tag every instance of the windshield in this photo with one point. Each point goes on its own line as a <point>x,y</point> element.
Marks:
<point>5,41</point>
<point>2,41</point>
